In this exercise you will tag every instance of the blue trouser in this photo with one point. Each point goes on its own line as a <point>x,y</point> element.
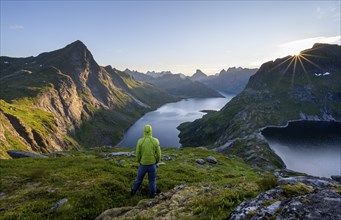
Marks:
<point>143,169</point>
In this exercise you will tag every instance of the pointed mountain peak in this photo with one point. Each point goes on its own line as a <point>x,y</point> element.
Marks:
<point>77,45</point>
<point>222,71</point>
<point>198,75</point>
<point>199,72</point>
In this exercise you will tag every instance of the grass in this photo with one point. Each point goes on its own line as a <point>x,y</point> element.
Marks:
<point>36,118</point>
<point>29,83</point>
<point>29,121</point>
<point>31,186</point>
<point>292,190</point>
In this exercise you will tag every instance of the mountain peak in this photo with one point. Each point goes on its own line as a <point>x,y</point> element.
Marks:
<point>77,45</point>
<point>198,75</point>
<point>78,42</point>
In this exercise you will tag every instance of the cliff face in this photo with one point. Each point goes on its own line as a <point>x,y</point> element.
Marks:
<point>61,99</point>
<point>301,87</point>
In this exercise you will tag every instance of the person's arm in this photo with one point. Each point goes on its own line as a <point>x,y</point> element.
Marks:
<point>138,152</point>
<point>158,151</point>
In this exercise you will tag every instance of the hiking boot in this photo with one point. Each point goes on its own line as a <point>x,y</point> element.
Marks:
<point>152,195</point>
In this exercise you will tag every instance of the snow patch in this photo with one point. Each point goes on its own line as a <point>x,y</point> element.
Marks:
<point>6,62</point>
<point>322,74</point>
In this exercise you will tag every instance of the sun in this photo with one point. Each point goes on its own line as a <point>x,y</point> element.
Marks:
<point>297,63</point>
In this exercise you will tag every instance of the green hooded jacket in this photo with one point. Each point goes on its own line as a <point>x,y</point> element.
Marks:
<point>148,149</point>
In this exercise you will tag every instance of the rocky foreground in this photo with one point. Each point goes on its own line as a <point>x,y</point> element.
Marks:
<point>300,197</point>
<point>294,197</point>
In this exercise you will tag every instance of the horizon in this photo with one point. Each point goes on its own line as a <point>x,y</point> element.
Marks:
<point>180,37</point>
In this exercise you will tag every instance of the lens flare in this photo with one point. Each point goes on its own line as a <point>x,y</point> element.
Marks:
<point>298,62</point>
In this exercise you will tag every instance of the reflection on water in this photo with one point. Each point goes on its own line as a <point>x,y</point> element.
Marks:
<point>308,146</point>
<point>165,120</point>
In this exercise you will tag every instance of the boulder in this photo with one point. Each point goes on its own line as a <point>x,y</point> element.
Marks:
<point>182,186</point>
<point>58,204</point>
<point>318,182</point>
<point>336,178</point>
<point>113,213</point>
<point>58,154</point>
<point>160,164</point>
<point>319,201</point>
<point>200,161</point>
<point>127,154</point>
<point>211,159</point>
<point>167,158</point>
<point>21,154</point>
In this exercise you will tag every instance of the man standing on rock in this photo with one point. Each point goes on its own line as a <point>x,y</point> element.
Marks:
<point>148,154</point>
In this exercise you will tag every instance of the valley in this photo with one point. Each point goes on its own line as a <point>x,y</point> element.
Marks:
<point>61,100</point>
<point>63,105</point>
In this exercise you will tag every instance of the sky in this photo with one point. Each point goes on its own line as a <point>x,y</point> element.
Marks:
<point>177,36</point>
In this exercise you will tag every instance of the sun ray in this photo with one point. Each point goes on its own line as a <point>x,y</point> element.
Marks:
<point>297,64</point>
<point>311,55</point>
<point>281,63</point>
<point>292,60</point>
<point>312,62</point>
<point>304,69</point>
<point>294,71</point>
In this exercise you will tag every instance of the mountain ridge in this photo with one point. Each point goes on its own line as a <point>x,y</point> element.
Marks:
<point>281,90</point>
<point>63,98</point>
<point>176,84</point>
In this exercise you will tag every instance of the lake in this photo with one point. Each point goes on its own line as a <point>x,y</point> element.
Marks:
<point>310,147</point>
<point>165,119</point>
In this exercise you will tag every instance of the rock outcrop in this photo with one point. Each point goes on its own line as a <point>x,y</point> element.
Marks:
<point>300,197</point>
<point>22,154</point>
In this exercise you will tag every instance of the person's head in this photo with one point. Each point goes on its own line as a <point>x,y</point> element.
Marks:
<point>147,131</point>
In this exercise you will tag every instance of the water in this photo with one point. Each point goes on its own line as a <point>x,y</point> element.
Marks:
<point>165,119</point>
<point>308,146</point>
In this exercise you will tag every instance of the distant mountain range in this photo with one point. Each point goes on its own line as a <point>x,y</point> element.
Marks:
<point>175,84</point>
<point>231,81</point>
<point>303,87</point>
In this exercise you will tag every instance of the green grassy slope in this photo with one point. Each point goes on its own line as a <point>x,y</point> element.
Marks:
<point>92,184</point>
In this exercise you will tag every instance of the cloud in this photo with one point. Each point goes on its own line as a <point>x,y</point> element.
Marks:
<point>294,47</point>
<point>15,27</point>
<point>330,12</point>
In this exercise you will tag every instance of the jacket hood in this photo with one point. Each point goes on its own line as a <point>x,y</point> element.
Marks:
<point>147,131</point>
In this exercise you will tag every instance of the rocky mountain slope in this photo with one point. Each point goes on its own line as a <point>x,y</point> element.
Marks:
<point>302,87</point>
<point>232,81</point>
<point>176,84</point>
<point>63,99</point>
